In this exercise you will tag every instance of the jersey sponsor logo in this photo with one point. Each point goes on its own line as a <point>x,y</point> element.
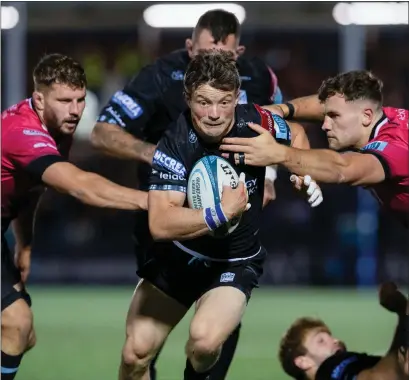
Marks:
<point>251,186</point>
<point>376,145</point>
<point>129,106</point>
<point>173,177</point>
<point>32,132</point>
<point>245,78</point>
<point>243,97</point>
<point>192,136</point>
<point>227,277</point>
<point>339,370</point>
<point>116,116</point>
<point>169,163</point>
<point>402,114</point>
<point>280,127</point>
<point>44,145</point>
<point>177,75</point>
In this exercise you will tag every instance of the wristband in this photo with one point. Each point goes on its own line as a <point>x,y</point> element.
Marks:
<point>214,217</point>
<point>291,111</point>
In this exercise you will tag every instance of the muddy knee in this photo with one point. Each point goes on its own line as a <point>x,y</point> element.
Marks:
<point>17,328</point>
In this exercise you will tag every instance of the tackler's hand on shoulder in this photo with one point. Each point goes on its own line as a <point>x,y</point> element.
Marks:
<point>309,188</point>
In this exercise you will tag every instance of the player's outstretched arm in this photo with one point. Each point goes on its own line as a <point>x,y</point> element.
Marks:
<point>117,142</point>
<point>92,189</point>
<point>390,366</point>
<point>327,166</point>
<point>169,220</point>
<point>323,165</point>
<point>307,108</point>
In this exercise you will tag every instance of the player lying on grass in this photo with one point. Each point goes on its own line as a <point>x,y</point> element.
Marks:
<point>36,136</point>
<point>186,264</point>
<point>308,351</point>
<point>374,140</point>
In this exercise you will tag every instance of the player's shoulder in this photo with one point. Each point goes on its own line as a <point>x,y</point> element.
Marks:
<point>392,128</point>
<point>21,116</point>
<point>396,115</point>
<point>252,112</point>
<point>251,64</point>
<point>178,130</point>
<point>173,65</point>
<point>345,365</point>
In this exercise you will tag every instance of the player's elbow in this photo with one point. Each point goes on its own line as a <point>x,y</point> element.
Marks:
<point>157,226</point>
<point>98,135</point>
<point>85,189</point>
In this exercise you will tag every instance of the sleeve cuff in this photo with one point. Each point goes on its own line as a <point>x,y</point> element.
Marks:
<point>38,166</point>
<point>382,160</point>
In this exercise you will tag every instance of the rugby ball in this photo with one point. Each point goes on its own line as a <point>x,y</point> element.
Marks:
<point>205,187</point>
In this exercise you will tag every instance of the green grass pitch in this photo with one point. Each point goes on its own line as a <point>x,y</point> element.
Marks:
<point>80,331</point>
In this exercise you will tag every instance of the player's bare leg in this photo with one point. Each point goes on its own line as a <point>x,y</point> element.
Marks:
<point>151,317</point>
<point>17,335</point>
<point>392,365</point>
<point>218,313</point>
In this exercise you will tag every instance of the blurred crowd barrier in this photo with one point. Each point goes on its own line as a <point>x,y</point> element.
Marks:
<point>76,243</point>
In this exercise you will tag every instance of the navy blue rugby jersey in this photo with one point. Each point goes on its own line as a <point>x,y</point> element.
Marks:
<point>178,151</point>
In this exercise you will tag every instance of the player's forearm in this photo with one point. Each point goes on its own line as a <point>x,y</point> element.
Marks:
<point>97,191</point>
<point>401,330</point>
<point>321,164</point>
<point>305,108</point>
<point>177,223</point>
<point>114,141</point>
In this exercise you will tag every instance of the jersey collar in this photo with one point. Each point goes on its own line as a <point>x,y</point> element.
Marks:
<point>377,127</point>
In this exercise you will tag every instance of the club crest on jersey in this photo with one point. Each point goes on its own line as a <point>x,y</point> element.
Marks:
<point>243,97</point>
<point>192,137</point>
<point>227,277</point>
<point>128,105</point>
<point>376,145</point>
<point>241,123</point>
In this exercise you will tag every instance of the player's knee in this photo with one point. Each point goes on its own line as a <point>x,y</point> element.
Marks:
<point>205,340</point>
<point>17,326</point>
<point>32,339</point>
<point>138,354</point>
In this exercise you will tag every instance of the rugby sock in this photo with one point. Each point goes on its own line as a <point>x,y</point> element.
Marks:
<point>9,365</point>
<point>191,374</point>
<point>219,371</point>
